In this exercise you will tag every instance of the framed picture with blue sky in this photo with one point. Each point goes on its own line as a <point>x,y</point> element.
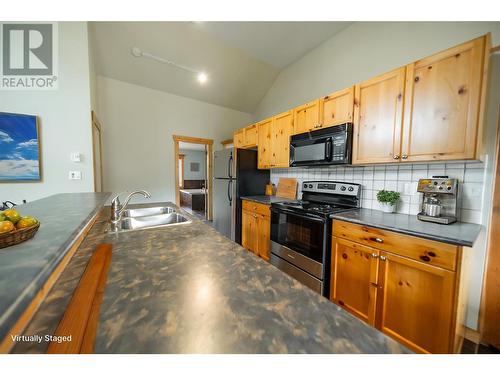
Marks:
<point>19,148</point>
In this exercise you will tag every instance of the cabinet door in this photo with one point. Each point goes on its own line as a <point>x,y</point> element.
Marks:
<point>442,104</point>
<point>251,136</point>
<point>264,144</point>
<point>264,234</point>
<point>354,278</point>
<point>378,116</point>
<point>415,303</point>
<point>239,138</point>
<point>280,140</point>
<point>306,117</point>
<point>337,108</point>
<point>249,231</point>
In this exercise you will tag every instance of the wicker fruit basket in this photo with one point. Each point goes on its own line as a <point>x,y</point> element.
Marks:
<point>18,236</point>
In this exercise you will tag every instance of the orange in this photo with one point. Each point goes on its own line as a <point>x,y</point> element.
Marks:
<point>6,226</point>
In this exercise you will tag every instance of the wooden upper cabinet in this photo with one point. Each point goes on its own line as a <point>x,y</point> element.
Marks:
<point>239,138</point>
<point>306,117</point>
<point>442,104</point>
<point>251,136</point>
<point>378,118</point>
<point>336,108</point>
<point>264,143</point>
<point>354,278</point>
<point>415,303</point>
<point>281,130</point>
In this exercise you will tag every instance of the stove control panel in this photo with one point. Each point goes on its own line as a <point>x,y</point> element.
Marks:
<point>331,187</point>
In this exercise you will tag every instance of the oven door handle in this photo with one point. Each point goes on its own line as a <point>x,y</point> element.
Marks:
<point>293,213</point>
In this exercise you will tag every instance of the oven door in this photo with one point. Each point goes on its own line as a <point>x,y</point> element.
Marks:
<point>311,151</point>
<point>305,235</point>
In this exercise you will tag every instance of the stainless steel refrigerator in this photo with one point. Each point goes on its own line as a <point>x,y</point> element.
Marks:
<point>235,176</point>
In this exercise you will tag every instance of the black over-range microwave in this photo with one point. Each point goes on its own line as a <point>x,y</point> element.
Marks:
<point>328,146</point>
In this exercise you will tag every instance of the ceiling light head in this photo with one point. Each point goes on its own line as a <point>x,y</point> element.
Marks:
<point>202,77</point>
<point>136,52</point>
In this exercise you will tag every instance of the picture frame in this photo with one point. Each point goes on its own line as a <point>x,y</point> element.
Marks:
<point>20,152</point>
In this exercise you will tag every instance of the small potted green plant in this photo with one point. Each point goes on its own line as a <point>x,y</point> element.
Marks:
<point>388,200</point>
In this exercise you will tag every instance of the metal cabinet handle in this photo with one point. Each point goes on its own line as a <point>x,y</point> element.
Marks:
<point>382,257</point>
<point>395,157</point>
<point>376,239</point>
<point>374,255</point>
<point>404,157</point>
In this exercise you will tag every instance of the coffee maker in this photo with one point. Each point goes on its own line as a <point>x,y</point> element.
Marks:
<point>439,199</point>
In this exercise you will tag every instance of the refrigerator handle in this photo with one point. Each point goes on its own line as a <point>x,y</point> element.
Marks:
<point>230,166</point>
<point>229,197</point>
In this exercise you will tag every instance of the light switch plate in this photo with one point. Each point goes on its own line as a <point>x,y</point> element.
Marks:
<point>75,175</point>
<point>76,157</point>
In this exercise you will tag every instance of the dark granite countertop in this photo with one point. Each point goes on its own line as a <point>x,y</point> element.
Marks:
<point>461,234</point>
<point>188,289</point>
<point>24,268</point>
<point>266,199</point>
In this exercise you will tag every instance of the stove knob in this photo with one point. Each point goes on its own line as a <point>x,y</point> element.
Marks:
<point>310,186</point>
<point>350,188</point>
<point>449,187</point>
<point>305,185</point>
<point>342,188</point>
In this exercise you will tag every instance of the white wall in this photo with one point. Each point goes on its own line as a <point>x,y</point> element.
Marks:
<point>361,51</point>
<point>194,156</point>
<point>138,124</point>
<point>64,117</point>
<point>366,49</point>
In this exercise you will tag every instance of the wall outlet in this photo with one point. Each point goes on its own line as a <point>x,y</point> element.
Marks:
<point>75,175</point>
<point>76,157</point>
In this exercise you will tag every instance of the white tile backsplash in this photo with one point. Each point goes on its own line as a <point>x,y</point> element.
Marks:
<point>402,178</point>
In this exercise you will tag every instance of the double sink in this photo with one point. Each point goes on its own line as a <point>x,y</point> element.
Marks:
<point>150,217</point>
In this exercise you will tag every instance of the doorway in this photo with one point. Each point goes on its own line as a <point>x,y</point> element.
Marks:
<point>97,152</point>
<point>193,175</point>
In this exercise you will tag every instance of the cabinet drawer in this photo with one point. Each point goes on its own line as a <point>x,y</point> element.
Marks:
<point>426,251</point>
<point>258,208</point>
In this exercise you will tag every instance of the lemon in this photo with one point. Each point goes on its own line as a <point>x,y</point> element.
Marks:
<point>12,215</point>
<point>26,222</point>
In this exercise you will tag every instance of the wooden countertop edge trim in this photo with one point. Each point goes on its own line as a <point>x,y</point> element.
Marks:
<point>82,314</point>
<point>7,344</point>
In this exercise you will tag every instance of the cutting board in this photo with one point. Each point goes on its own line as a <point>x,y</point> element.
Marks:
<point>287,188</point>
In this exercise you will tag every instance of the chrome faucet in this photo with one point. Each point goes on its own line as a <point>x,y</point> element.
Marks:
<point>117,208</point>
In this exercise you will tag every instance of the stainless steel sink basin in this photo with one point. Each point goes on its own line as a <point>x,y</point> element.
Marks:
<point>152,221</point>
<point>138,212</point>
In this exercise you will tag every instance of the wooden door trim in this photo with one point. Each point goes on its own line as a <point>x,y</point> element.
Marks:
<point>209,143</point>
<point>95,122</point>
<point>489,311</point>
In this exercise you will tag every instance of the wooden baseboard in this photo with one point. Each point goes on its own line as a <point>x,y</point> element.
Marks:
<point>21,324</point>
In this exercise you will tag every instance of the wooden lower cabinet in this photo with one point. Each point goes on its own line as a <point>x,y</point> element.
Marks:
<point>249,230</point>
<point>354,278</point>
<point>256,229</point>
<point>414,302</point>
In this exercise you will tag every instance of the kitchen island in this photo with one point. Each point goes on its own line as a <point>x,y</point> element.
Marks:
<point>25,268</point>
<point>188,289</point>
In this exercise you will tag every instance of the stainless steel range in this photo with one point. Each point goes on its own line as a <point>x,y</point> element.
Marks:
<point>301,230</point>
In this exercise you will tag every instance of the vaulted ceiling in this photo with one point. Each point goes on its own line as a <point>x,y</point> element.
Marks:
<point>241,59</point>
